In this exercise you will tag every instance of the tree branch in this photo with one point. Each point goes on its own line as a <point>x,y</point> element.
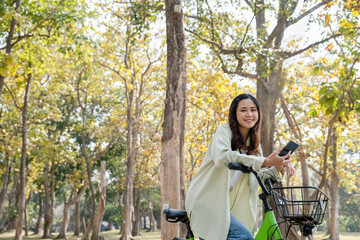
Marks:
<point>292,54</point>
<point>37,26</point>
<point>13,97</point>
<point>311,10</point>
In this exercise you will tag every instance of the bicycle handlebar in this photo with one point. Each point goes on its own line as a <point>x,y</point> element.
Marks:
<point>240,167</point>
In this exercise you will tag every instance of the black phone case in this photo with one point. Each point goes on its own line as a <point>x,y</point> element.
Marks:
<point>291,146</point>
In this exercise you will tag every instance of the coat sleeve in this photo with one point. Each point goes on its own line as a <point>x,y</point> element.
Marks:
<point>222,154</point>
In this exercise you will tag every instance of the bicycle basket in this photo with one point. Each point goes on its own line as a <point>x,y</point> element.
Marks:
<point>300,205</point>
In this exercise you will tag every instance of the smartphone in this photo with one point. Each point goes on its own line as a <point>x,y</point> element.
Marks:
<point>291,146</point>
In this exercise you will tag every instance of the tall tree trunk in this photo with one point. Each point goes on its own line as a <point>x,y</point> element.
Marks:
<point>328,212</point>
<point>26,222</point>
<point>136,219</point>
<point>133,129</point>
<point>151,213</point>
<point>174,115</point>
<point>83,220</point>
<point>334,208</point>
<point>87,163</point>
<point>130,164</point>
<point>38,222</point>
<point>49,198</point>
<point>5,185</point>
<point>65,221</point>
<point>77,219</point>
<point>22,174</point>
<point>26,219</point>
<point>102,201</point>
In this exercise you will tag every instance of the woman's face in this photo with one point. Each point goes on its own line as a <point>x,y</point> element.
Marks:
<point>247,114</point>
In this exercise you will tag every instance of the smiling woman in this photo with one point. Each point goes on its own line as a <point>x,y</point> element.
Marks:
<point>221,204</point>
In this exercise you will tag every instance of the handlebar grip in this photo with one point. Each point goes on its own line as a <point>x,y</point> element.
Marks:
<point>239,167</point>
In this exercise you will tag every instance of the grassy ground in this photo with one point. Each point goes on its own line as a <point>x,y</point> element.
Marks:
<point>112,235</point>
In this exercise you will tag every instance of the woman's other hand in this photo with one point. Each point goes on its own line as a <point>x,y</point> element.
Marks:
<point>290,170</point>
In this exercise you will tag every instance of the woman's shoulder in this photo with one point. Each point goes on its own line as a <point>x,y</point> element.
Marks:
<point>222,131</point>
<point>224,126</point>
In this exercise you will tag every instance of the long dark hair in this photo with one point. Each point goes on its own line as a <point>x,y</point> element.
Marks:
<point>237,141</point>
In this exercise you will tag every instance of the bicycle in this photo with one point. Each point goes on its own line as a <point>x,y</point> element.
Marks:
<point>290,202</point>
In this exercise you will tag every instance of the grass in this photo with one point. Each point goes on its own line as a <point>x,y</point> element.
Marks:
<point>112,235</point>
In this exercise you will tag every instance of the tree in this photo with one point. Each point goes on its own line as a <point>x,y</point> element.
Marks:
<point>90,91</point>
<point>172,151</point>
<point>136,75</point>
<point>21,193</point>
<point>253,47</point>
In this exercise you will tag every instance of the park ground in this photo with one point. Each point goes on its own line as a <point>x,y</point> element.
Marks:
<point>112,235</point>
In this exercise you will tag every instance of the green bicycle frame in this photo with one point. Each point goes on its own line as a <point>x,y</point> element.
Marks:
<point>269,228</point>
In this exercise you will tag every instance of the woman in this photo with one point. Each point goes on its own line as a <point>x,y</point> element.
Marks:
<point>222,203</point>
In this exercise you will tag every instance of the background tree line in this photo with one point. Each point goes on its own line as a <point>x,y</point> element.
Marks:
<point>84,87</point>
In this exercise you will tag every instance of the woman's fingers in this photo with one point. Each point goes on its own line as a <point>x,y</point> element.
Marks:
<point>290,170</point>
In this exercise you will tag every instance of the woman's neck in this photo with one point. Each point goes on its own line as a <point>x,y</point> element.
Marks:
<point>244,133</point>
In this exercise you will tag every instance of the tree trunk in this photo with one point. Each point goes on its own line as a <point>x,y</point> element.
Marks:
<point>38,222</point>
<point>328,212</point>
<point>77,219</point>
<point>49,187</point>
<point>151,213</point>
<point>9,222</point>
<point>26,214</point>
<point>102,201</point>
<point>174,116</point>
<point>83,220</point>
<point>88,170</point>
<point>334,206</point>
<point>136,218</point>
<point>22,175</point>
<point>130,164</point>
<point>5,185</point>
<point>66,218</point>
<point>133,129</point>
<point>48,215</point>
<point>67,206</point>
<point>26,222</point>
<point>267,97</point>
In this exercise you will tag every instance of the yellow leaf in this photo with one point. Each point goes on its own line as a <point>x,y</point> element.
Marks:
<point>330,46</point>
<point>327,19</point>
<point>355,13</point>
<point>342,23</point>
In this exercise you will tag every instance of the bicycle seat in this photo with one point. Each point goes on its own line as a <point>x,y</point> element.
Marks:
<point>174,215</point>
